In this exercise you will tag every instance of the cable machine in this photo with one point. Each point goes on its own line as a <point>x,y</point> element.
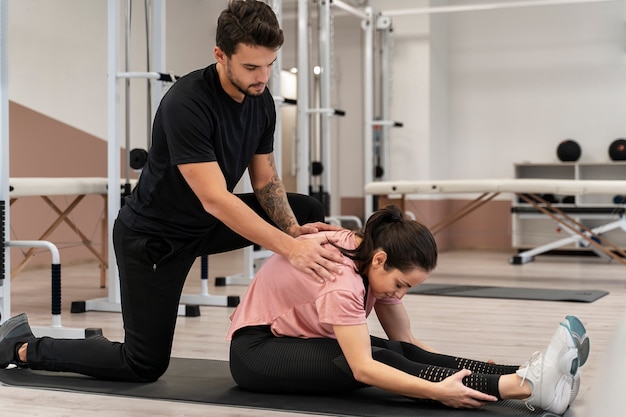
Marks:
<point>313,165</point>
<point>155,11</point>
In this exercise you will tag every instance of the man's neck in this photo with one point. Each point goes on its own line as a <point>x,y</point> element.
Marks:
<point>228,87</point>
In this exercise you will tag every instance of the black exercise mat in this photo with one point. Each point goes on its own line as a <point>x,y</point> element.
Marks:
<point>209,382</point>
<point>515,293</point>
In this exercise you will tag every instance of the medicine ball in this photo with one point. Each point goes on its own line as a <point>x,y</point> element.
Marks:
<point>568,150</point>
<point>617,150</point>
<point>619,199</point>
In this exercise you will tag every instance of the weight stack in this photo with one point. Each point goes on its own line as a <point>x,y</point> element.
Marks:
<point>323,197</point>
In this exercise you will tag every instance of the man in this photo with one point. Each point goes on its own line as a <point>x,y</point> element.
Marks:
<point>211,125</point>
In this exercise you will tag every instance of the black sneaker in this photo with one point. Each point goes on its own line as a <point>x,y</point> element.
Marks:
<point>14,331</point>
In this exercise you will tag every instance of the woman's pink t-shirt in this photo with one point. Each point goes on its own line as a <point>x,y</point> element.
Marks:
<point>294,304</point>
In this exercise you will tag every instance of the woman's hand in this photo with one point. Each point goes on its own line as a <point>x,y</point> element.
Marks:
<point>454,394</point>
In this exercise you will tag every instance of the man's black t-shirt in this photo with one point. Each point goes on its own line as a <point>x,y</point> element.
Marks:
<point>196,122</point>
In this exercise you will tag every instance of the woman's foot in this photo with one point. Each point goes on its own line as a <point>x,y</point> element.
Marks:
<point>551,373</point>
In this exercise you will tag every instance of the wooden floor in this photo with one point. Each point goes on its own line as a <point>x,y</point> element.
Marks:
<point>507,331</point>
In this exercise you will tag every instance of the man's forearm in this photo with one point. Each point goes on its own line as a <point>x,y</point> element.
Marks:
<point>273,199</point>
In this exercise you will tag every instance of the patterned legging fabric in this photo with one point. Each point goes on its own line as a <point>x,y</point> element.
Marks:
<point>262,362</point>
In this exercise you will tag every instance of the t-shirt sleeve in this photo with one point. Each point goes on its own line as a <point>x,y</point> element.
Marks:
<point>341,308</point>
<point>188,130</point>
<point>266,145</point>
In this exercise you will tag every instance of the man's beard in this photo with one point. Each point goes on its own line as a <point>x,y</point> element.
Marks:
<point>245,91</point>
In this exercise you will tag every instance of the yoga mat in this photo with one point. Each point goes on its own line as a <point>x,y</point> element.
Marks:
<point>209,382</point>
<point>543,294</point>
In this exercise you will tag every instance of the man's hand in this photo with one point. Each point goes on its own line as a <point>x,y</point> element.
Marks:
<point>455,394</point>
<point>317,258</point>
<point>308,228</point>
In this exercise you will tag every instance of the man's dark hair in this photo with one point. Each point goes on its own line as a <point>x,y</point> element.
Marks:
<point>249,22</point>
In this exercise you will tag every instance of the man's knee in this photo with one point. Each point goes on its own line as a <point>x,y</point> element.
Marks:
<point>306,208</point>
<point>151,370</point>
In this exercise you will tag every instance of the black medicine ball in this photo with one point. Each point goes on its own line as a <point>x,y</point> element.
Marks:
<point>568,151</point>
<point>617,150</point>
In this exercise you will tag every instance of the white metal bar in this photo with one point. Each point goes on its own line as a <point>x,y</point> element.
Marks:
<point>113,146</point>
<point>385,105</point>
<point>325,111</point>
<point>56,328</point>
<point>157,58</point>
<point>528,255</point>
<point>481,7</point>
<point>139,74</point>
<point>127,52</point>
<point>302,140</point>
<point>54,251</point>
<point>383,122</point>
<point>322,110</point>
<point>275,86</point>
<point>337,220</point>
<point>350,9</point>
<point>5,284</point>
<point>368,107</point>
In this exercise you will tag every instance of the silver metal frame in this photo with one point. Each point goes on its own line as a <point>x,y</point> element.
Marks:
<point>112,302</point>
<point>5,284</point>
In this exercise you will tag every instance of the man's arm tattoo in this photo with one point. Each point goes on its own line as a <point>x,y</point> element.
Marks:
<point>273,199</point>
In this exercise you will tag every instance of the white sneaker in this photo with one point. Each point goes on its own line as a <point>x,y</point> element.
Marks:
<point>551,373</point>
<point>579,334</point>
<point>575,388</point>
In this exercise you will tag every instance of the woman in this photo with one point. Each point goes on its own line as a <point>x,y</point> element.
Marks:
<point>293,335</point>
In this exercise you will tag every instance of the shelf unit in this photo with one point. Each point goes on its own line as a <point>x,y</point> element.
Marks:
<point>532,229</point>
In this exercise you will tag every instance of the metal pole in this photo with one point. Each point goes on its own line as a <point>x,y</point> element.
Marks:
<point>149,46</point>
<point>276,92</point>
<point>302,153</point>
<point>113,147</point>
<point>5,279</point>
<point>127,46</point>
<point>368,106</point>
<point>480,7</point>
<point>158,52</point>
<point>324,78</point>
<point>350,9</point>
<point>385,90</point>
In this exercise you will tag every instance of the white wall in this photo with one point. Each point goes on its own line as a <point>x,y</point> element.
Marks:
<point>522,80</point>
<point>57,60</point>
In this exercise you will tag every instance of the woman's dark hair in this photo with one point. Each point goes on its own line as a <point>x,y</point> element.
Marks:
<point>249,22</point>
<point>408,243</point>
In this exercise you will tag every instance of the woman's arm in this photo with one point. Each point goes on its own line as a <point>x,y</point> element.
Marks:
<point>355,344</point>
<point>397,325</point>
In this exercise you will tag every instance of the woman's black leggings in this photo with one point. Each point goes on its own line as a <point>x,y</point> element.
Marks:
<point>262,362</point>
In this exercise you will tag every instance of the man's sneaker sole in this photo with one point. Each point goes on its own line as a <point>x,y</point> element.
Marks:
<point>16,328</point>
